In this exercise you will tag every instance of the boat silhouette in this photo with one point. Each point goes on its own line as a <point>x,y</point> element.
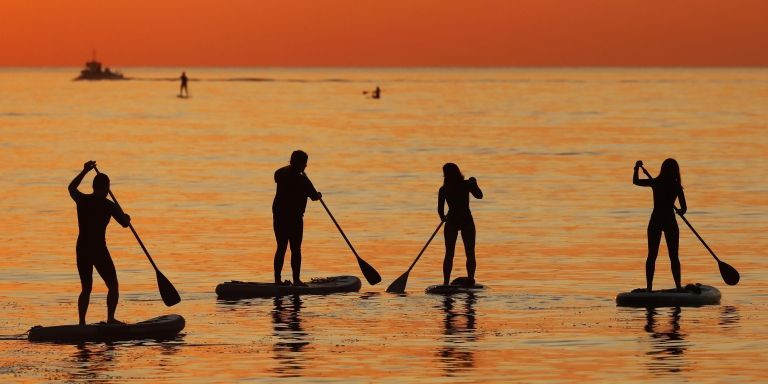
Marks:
<point>93,71</point>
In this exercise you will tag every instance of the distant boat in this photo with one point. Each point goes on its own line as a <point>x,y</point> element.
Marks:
<point>93,71</point>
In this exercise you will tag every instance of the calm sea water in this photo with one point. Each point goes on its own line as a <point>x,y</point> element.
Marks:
<point>561,229</point>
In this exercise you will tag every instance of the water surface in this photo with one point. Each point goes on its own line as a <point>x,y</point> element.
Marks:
<point>561,229</point>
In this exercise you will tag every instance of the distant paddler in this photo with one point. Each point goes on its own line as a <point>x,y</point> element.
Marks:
<point>183,91</point>
<point>667,188</point>
<point>293,189</point>
<point>455,191</point>
<point>93,214</point>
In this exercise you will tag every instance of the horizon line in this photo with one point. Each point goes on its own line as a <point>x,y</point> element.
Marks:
<point>702,66</point>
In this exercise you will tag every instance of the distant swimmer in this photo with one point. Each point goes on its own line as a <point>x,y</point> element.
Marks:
<point>375,94</point>
<point>667,188</point>
<point>455,191</point>
<point>293,189</point>
<point>183,91</point>
<point>93,214</point>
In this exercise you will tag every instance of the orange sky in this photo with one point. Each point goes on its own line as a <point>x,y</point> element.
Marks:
<point>385,32</point>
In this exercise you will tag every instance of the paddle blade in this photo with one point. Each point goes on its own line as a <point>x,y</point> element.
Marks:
<point>167,291</point>
<point>398,286</point>
<point>369,272</point>
<point>730,274</point>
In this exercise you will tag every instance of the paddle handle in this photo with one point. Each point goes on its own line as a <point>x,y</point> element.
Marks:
<point>425,246</point>
<point>646,172</point>
<point>339,228</point>
<point>132,230</point>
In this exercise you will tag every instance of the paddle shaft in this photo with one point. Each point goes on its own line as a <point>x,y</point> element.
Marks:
<point>339,228</point>
<point>133,230</point>
<point>697,235</point>
<point>425,246</point>
<point>687,222</point>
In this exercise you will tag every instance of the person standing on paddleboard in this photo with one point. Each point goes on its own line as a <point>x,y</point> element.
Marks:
<point>667,187</point>
<point>93,214</point>
<point>455,191</point>
<point>293,189</point>
<point>183,90</point>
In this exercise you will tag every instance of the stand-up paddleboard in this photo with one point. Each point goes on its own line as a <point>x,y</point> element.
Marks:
<point>458,285</point>
<point>318,286</point>
<point>162,327</point>
<point>692,296</point>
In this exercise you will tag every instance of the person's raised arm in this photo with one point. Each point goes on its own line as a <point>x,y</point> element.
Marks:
<point>73,192</point>
<point>441,203</point>
<point>474,189</point>
<point>636,179</point>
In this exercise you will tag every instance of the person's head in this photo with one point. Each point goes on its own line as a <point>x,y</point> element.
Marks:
<point>451,174</point>
<point>101,184</point>
<point>670,171</point>
<point>299,160</point>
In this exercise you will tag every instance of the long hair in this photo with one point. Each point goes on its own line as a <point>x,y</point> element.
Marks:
<point>670,172</point>
<point>451,174</point>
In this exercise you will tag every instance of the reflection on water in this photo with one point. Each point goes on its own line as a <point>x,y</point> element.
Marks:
<point>456,352</point>
<point>291,338</point>
<point>729,317</point>
<point>93,361</point>
<point>668,345</point>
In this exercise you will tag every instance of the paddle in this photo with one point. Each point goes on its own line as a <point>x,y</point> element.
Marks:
<point>398,286</point>
<point>369,272</point>
<point>167,291</point>
<point>729,274</point>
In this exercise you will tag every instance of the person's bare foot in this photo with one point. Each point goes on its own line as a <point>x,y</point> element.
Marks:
<point>299,283</point>
<point>115,322</point>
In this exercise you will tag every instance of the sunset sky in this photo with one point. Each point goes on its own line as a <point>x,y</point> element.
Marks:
<point>385,32</point>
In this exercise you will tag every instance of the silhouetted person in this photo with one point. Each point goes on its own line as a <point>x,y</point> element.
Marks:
<point>376,93</point>
<point>293,189</point>
<point>183,91</point>
<point>667,188</point>
<point>455,191</point>
<point>93,214</point>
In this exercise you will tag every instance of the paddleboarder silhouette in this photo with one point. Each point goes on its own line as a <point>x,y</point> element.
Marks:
<point>455,191</point>
<point>293,189</point>
<point>183,91</point>
<point>667,187</point>
<point>93,214</point>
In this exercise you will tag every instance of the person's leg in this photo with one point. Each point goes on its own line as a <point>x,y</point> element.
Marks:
<point>654,238</point>
<point>449,233</point>
<point>468,237</point>
<point>85,270</point>
<point>106,269</point>
<point>672,236</point>
<point>281,237</point>
<point>297,235</point>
